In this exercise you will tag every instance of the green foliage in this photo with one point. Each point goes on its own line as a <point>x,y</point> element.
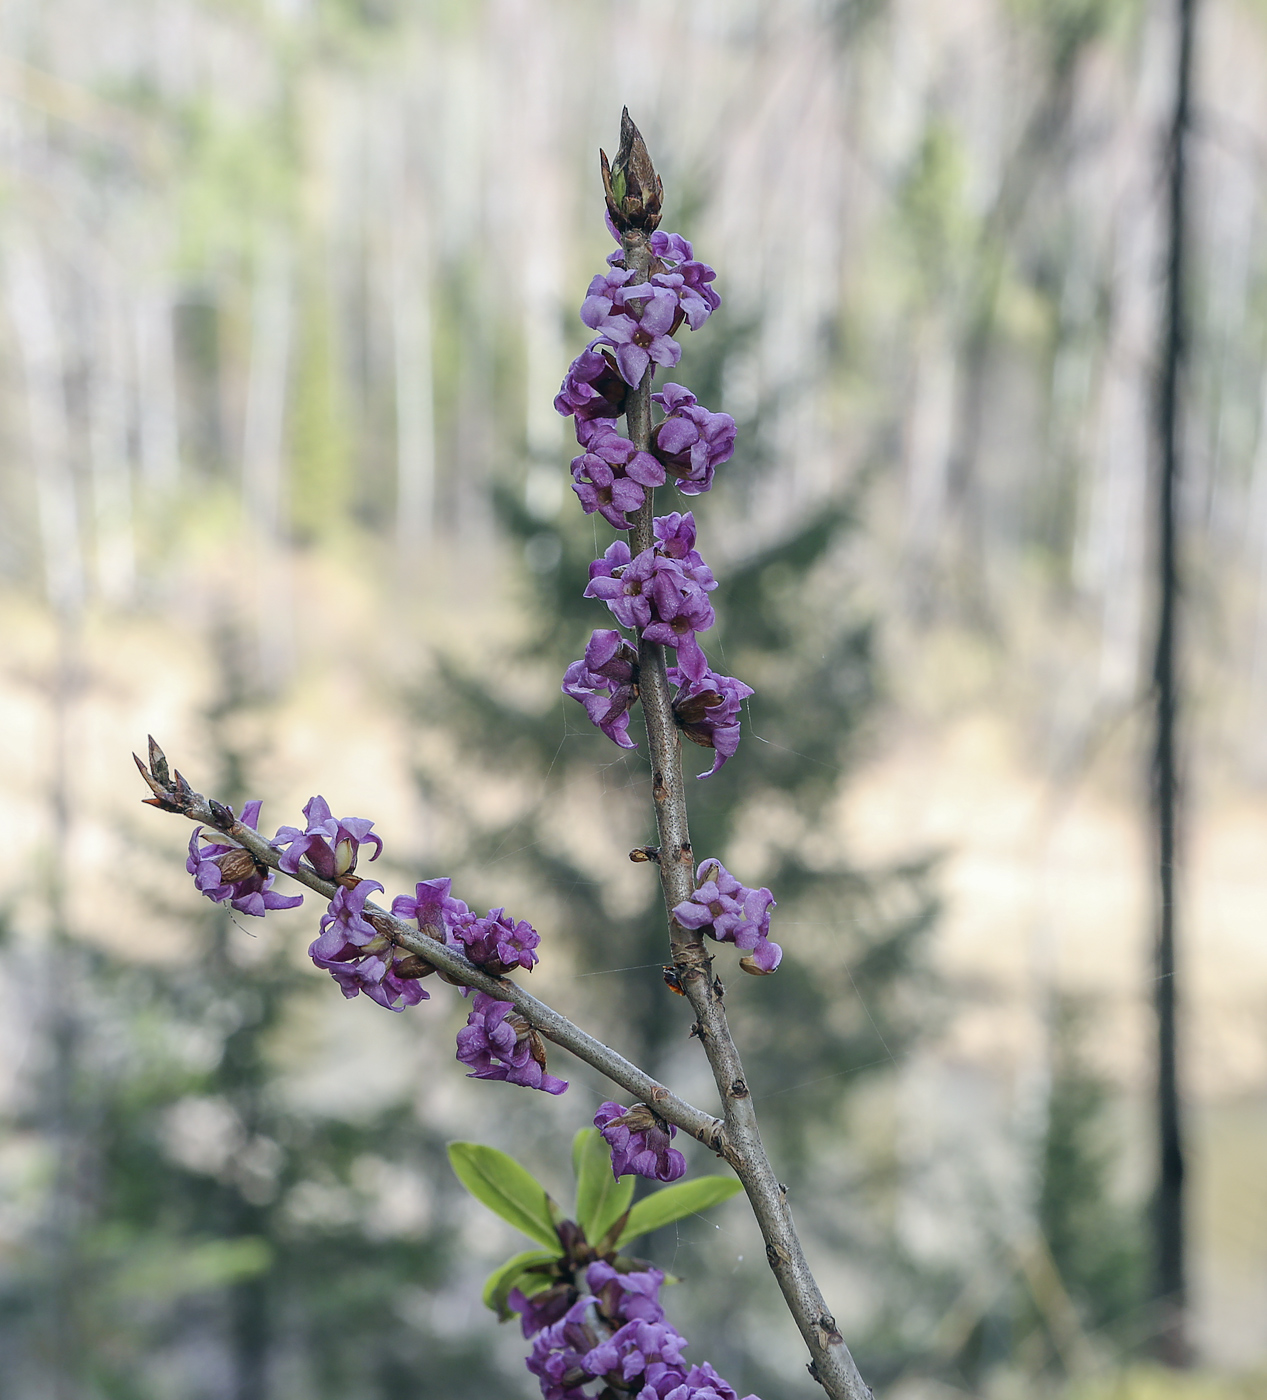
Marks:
<point>507,1189</point>
<point>1096,1243</point>
<point>601,1197</point>
<point>511,1192</point>
<point>676,1202</point>
<point>320,451</point>
<point>524,1271</point>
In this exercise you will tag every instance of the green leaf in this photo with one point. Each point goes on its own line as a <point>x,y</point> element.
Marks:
<point>507,1189</point>
<point>600,1199</point>
<point>516,1273</point>
<point>686,1198</point>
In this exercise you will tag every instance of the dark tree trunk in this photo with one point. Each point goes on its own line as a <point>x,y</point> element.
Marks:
<point>1169,1282</point>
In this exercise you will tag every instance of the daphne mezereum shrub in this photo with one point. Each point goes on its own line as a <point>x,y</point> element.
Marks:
<point>592,1312</point>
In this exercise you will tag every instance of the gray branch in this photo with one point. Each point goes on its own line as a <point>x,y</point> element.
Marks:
<point>179,797</point>
<point>831,1365</point>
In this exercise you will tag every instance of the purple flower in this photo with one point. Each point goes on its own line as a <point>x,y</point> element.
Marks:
<point>671,248</point>
<point>707,712</point>
<point>647,335</point>
<point>675,538</point>
<point>626,1297</point>
<point>662,591</point>
<point>703,1383</point>
<point>605,297</point>
<point>679,616</point>
<point>732,913</point>
<point>496,943</point>
<point>592,387</point>
<point>639,1140</point>
<point>361,959</point>
<point>224,872</point>
<point>624,584</point>
<point>331,845</point>
<point>691,442</point>
<point>559,1352</point>
<point>686,276</point>
<point>542,1309</point>
<point>637,318</point>
<point>345,922</point>
<point>606,683</point>
<point>436,912</point>
<point>611,474</point>
<point>499,1044</point>
<point>646,1353</point>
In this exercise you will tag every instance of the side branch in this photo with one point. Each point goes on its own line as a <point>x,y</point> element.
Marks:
<point>182,799</point>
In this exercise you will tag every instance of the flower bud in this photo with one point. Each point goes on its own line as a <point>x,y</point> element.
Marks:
<point>633,189</point>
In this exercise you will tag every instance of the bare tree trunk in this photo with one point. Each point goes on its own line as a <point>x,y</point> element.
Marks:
<point>156,380</point>
<point>415,393</point>
<point>1170,1282</point>
<point>36,329</point>
<point>263,444</point>
<point>115,555</point>
<point>35,326</point>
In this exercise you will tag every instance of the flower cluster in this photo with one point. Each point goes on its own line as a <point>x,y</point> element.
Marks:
<point>732,913</point>
<point>331,845</point>
<point>691,443</point>
<point>229,873</point>
<point>592,387</point>
<point>361,959</point>
<point>356,946</point>
<point>707,712</point>
<point>639,1140</point>
<point>662,591</point>
<point>606,683</point>
<point>496,944</point>
<point>499,1044</point>
<point>611,476</point>
<point>636,322</point>
<point>616,1335</point>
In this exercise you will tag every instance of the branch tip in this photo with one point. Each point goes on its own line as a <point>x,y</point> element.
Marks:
<point>631,186</point>
<point>158,763</point>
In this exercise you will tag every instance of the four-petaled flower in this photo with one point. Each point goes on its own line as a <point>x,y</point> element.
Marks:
<point>496,942</point>
<point>331,844</point>
<point>225,872</point>
<point>433,908</point>
<point>611,475</point>
<point>606,683</point>
<point>691,442</point>
<point>662,590</point>
<point>637,318</point>
<point>499,1044</point>
<point>361,959</point>
<point>732,913</point>
<point>686,276</point>
<point>639,1140</point>
<point>592,387</point>
<point>707,712</point>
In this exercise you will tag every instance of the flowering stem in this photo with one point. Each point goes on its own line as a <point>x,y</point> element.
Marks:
<point>550,1023</point>
<point>832,1365</point>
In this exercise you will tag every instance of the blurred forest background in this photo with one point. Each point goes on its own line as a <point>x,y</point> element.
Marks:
<point>286,290</point>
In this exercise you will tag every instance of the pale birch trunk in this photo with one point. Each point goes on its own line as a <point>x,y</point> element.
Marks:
<point>263,460</point>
